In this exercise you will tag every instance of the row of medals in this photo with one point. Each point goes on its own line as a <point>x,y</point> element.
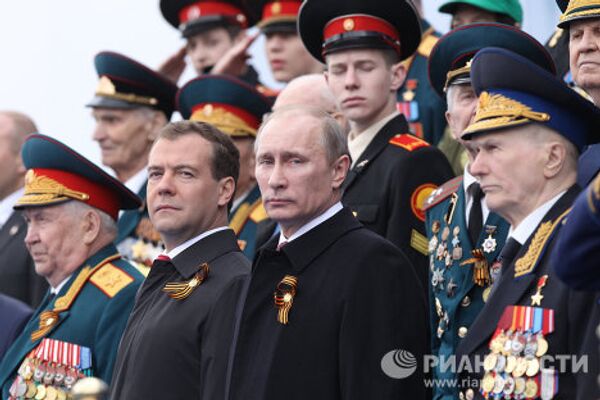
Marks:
<point>512,364</point>
<point>40,380</point>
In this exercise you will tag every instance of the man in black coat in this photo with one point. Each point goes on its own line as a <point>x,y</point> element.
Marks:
<point>178,336</point>
<point>332,308</point>
<point>14,314</point>
<point>393,172</point>
<point>527,132</point>
<point>18,278</point>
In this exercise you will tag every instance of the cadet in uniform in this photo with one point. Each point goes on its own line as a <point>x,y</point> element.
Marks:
<point>527,132</point>
<point>177,340</point>
<point>235,108</point>
<point>71,208</point>
<point>393,172</point>
<point>131,104</point>
<point>465,238</point>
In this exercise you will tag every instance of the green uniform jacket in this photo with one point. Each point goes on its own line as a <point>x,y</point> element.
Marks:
<point>95,318</point>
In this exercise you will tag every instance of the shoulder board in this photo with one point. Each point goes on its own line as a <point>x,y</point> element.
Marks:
<point>258,213</point>
<point>427,44</point>
<point>408,142</point>
<point>64,302</point>
<point>111,279</point>
<point>537,246</point>
<point>265,91</point>
<point>442,192</point>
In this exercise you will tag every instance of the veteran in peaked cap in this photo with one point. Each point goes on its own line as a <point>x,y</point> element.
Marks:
<point>528,95</point>
<point>71,207</point>
<point>577,10</point>
<point>329,26</point>
<point>450,60</point>
<point>126,84</point>
<point>192,17</point>
<point>57,174</point>
<point>505,11</point>
<point>528,129</point>
<point>236,109</point>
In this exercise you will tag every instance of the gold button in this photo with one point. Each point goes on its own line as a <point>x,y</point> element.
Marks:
<point>276,8</point>
<point>462,331</point>
<point>348,24</point>
<point>466,301</point>
<point>461,396</point>
<point>469,394</point>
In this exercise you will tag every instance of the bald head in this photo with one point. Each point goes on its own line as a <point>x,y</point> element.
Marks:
<point>14,128</point>
<point>310,90</point>
<point>17,126</point>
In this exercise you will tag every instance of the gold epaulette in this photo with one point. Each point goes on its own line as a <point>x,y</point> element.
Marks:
<point>111,279</point>
<point>543,233</point>
<point>427,43</point>
<point>259,213</point>
<point>245,211</point>
<point>64,302</point>
<point>408,142</point>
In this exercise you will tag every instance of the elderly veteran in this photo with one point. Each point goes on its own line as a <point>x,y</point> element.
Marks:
<point>70,206</point>
<point>527,133</point>
<point>236,109</point>
<point>464,236</point>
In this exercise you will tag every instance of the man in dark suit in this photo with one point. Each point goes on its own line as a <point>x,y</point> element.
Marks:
<point>14,314</point>
<point>177,339</point>
<point>527,133</point>
<point>392,171</point>
<point>131,104</point>
<point>71,208</point>
<point>17,271</point>
<point>327,310</point>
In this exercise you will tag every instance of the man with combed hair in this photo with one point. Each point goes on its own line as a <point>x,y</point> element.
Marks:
<point>329,299</point>
<point>71,207</point>
<point>392,171</point>
<point>17,277</point>
<point>527,132</point>
<point>177,340</point>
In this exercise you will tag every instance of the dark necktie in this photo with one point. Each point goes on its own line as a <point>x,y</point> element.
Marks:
<point>475,214</point>
<point>508,253</point>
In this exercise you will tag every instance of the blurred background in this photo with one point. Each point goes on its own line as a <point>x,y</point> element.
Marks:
<point>47,49</point>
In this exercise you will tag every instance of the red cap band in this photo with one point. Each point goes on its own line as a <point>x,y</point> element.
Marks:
<point>208,8</point>
<point>359,23</point>
<point>279,9</point>
<point>244,115</point>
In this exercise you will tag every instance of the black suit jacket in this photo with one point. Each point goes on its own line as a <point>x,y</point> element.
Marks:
<point>357,299</point>
<point>17,271</point>
<point>571,308</point>
<point>380,188</point>
<point>14,315</point>
<point>178,349</point>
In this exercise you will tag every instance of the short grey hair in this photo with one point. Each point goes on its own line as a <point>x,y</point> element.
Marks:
<point>108,226</point>
<point>332,138</point>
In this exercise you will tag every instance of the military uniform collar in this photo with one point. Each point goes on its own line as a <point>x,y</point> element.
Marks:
<point>526,228</point>
<point>202,249</point>
<point>358,142</point>
<point>302,251</point>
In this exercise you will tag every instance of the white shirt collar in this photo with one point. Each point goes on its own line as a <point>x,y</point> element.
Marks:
<point>183,246</point>
<point>358,141</point>
<point>526,228</point>
<point>6,205</point>
<point>136,182</point>
<point>56,290</point>
<point>334,209</point>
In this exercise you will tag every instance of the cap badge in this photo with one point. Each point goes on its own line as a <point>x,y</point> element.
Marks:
<point>348,24</point>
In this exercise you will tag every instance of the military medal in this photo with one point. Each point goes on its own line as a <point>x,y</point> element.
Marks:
<point>489,244</point>
<point>489,362</point>
<point>509,386</point>
<point>284,297</point>
<point>498,384</point>
<point>531,388</point>
<point>488,382</point>
<point>50,393</point>
<point>511,363</point>
<point>519,386</point>
<point>536,299</point>
<point>41,392</point>
<point>457,251</point>
<point>542,346</point>
<point>437,280</point>
<point>181,290</point>
<point>31,390</point>
<point>500,363</point>
<point>450,288</point>
<point>533,367</point>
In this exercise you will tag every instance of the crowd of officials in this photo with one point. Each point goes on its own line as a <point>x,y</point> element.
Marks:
<point>414,216</point>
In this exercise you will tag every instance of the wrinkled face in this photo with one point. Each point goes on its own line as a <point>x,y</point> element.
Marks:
<point>245,146</point>
<point>184,199</point>
<point>466,14</point>
<point>361,82</point>
<point>53,239</point>
<point>11,165</point>
<point>206,48</point>
<point>124,136</point>
<point>509,165</point>
<point>462,103</point>
<point>296,179</point>
<point>287,56</point>
<point>584,53</point>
